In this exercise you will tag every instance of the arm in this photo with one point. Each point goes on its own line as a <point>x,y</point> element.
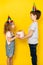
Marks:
<point>29,34</point>
<point>10,39</point>
<point>32,29</point>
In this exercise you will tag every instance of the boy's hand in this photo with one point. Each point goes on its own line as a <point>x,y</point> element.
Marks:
<point>17,36</point>
<point>21,38</point>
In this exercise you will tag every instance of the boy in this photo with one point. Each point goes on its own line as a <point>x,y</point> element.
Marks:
<point>33,34</point>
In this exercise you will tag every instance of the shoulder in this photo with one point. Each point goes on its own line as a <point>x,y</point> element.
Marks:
<point>34,24</point>
<point>8,32</point>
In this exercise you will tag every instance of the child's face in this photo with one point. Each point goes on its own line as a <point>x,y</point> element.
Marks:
<point>33,17</point>
<point>13,25</point>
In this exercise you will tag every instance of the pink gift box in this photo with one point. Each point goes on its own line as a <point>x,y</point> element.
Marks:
<point>21,34</point>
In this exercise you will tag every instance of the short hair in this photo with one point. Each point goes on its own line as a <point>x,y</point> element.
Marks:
<point>37,13</point>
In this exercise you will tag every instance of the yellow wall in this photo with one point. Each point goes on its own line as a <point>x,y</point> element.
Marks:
<point>19,10</point>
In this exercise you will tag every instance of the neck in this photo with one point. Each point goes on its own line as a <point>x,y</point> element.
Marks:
<point>35,20</point>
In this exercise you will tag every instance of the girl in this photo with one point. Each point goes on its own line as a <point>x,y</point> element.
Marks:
<point>10,40</point>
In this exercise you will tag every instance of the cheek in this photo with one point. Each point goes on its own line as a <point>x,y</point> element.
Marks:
<point>12,26</point>
<point>33,17</point>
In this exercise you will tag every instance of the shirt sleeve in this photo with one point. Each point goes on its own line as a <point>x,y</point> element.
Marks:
<point>8,34</point>
<point>33,26</point>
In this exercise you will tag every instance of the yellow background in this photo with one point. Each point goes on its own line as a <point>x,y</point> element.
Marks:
<point>19,10</point>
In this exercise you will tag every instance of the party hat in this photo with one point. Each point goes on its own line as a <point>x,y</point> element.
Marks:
<point>9,18</point>
<point>34,7</point>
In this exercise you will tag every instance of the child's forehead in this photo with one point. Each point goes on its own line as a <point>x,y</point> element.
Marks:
<point>32,14</point>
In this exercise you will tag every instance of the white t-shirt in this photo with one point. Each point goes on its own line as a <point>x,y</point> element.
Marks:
<point>34,38</point>
<point>8,34</point>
